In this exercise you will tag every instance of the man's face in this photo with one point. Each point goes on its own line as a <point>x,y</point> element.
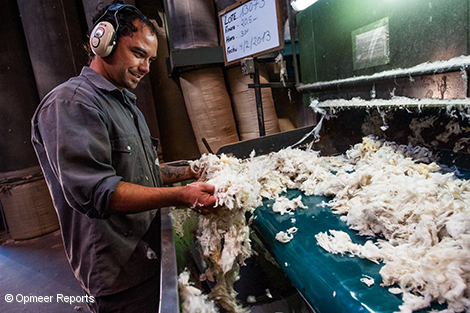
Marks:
<point>131,60</point>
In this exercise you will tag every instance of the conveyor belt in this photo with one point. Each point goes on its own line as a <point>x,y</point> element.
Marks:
<point>330,283</point>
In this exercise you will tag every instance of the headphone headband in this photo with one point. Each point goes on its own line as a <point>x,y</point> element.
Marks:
<point>103,36</point>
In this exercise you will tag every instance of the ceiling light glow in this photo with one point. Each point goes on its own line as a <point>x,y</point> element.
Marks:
<point>300,5</point>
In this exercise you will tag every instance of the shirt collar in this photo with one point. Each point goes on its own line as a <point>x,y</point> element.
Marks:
<point>99,81</point>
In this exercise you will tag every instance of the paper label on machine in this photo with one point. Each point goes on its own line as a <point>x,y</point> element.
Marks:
<point>372,45</point>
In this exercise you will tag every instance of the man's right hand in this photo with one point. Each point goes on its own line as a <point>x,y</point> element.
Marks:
<point>201,197</point>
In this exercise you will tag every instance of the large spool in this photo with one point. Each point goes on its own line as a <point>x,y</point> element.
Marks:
<point>27,205</point>
<point>177,139</point>
<point>244,103</point>
<point>209,107</point>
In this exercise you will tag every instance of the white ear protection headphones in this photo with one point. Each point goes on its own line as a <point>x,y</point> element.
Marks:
<point>103,37</point>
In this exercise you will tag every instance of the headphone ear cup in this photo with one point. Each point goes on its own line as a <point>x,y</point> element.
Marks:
<point>102,39</point>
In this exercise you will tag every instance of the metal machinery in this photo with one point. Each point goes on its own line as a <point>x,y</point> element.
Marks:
<point>407,62</point>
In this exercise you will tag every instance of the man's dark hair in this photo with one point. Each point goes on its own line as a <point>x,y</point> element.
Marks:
<point>125,17</point>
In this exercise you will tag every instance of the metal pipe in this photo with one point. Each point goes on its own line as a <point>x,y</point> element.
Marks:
<point>169,299</point>
<point>422,103</point>
<point>4,220</point>
<point>383,76</point>
<point>468,82</point>
<point>259,100</point>
<point>206,144</point>
<point>292,42</point>
<point>272,85</point>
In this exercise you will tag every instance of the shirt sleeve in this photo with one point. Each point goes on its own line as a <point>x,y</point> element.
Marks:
<point>78,148</point>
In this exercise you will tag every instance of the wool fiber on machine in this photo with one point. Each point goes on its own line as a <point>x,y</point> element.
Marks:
<point>423,231</point>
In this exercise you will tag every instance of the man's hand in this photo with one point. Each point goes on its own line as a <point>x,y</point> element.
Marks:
<point>132,198</point>
<point>201,197</point>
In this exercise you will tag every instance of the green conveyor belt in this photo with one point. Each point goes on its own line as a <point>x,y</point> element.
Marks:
<point>330,283</point>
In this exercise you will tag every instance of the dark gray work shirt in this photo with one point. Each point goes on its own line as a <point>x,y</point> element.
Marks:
<point>88,136</point>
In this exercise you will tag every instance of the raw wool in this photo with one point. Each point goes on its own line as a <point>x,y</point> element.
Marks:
<point>427,227</point>
<point>369,281</point>
<point>224,294</point>
<point>376,122</point>
<point>417,126</point>
<point>337,242</point>
<point>340,242</point>
<point>178,217</point>
<point>286,236</point>
<point>192,299</point>
<point>462,61</point>
<point>453,106</point>
<point>303,170</point>
<point>283,205</point>
<point>461,144</point>
<point>240,187</point>
<point>424,230</point>
<point>452,128</point>
<point>251,299</point>
<point>224,237</point>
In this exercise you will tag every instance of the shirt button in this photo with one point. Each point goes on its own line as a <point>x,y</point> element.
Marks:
<point>151,255</point>
<point>146,177</point>
<point>129,148</point>
<point>132,115</point>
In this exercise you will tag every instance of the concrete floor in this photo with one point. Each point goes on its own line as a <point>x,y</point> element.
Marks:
<point>35,268</point>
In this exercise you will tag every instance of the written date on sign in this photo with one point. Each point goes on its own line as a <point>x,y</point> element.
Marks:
<point>249,44</point>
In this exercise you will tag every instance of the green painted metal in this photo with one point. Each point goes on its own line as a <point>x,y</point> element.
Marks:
<point>419,31</point>
<point>184,246</point>
<point>330,283</point>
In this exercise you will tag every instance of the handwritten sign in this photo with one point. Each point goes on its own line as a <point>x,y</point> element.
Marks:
<point>250,28</point>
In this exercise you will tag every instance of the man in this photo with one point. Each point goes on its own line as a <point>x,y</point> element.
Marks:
<point>102,169</point>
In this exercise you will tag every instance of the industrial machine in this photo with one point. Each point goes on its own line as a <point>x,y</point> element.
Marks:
<point>383,69</point>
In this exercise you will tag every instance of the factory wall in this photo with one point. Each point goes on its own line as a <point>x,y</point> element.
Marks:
<point>401,33</point>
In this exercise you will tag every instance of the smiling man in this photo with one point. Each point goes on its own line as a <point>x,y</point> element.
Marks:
<point>131,62</point>
<point>102,170</point>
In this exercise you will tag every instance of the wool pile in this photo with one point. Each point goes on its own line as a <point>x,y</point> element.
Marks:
<point>417,213</point>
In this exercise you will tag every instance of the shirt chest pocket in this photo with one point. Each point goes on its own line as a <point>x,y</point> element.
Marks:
<point>127,158</point>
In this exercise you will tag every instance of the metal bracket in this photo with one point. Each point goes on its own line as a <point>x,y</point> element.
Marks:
<point>248,66</point>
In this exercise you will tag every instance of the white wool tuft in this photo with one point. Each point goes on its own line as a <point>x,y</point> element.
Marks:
<point>380,190</point>
<point>284,205</point>
<point>193,301</point>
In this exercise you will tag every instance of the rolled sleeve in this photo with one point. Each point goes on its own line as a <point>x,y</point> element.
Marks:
<point>77,145</point>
